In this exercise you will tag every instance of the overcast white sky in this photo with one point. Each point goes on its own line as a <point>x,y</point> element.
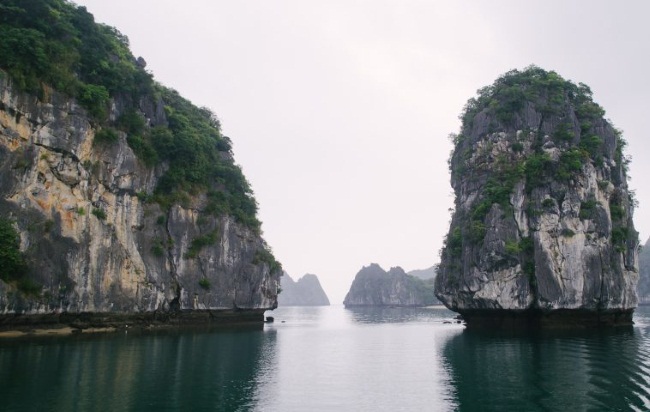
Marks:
<point>340,110</point>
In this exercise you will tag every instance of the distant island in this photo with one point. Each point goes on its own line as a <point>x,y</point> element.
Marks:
<point>424,274</point>
<point>306,291</point>
<point>373,286</point>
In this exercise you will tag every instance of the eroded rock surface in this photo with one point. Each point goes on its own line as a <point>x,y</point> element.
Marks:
<point>93,242</point>
<point>542,228</point>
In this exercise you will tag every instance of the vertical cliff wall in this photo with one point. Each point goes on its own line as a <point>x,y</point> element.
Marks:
<point>92,240</point>
<point>542,224</point>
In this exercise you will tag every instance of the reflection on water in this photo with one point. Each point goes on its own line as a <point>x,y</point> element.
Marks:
<point>187,370</point>
<point>559,371</point>
<point>400,314</point>
<point>332,359</point>
<point>335,359</point>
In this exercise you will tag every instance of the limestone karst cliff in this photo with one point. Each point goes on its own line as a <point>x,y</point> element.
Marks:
<point>306,291</point>
<point>542,228</point>
<point>373,286</point>
<point>125,197</point>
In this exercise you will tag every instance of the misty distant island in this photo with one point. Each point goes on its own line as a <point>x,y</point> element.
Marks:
<point>306,291</point>
<point>373,286</point>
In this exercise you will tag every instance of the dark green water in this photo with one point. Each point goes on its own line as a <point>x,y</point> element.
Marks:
<point>332,359</point>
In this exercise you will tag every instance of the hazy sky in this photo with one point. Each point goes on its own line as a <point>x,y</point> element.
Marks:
<point>339,111</point>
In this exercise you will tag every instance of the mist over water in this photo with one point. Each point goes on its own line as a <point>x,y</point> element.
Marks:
<point>332,358</point>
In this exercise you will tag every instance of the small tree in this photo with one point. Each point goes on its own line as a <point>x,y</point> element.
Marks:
<point>204,283</point>
<point>12,261</point>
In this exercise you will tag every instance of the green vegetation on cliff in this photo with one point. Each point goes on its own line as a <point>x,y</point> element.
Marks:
<point>505,103</point>
<point>547,90</point>
<point>12,262</point>
<point>13,267</point>
<point>534,147</point>
<point>54,43</point>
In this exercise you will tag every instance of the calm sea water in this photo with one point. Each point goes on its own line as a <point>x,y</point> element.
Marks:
<point>332,359</point>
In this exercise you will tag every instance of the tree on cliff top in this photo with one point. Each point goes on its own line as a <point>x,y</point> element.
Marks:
<point>547,89</point>
<point>58,44</point>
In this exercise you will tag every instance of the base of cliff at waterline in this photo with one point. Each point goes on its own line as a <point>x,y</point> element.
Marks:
<point>119,320</point>
<point>559,318</point>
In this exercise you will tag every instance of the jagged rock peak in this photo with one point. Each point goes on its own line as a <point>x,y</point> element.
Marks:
<point>373,286</point>
<point>306,291</point>
<point>542,227</point>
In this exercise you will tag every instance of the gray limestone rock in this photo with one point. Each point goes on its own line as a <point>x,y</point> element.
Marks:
<point>644,274</point>
<point>306,291</point>
<point>91,239</point>
<point>373,286</point>
<point>542,229</point>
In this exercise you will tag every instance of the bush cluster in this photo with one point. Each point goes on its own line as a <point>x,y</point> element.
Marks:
<point>13,266</point>
<point>56,43</point>
<point>545,89</point>
<point>265,256</point>
<point>200,242</point>
<point>12,261</point>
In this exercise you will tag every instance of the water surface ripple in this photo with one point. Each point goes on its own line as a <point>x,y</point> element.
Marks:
<point>333,359</point>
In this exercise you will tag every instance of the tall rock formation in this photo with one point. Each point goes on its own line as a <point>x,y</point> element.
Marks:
<point>542,228</point>
<point>125,197</point>
<point>306,291</point>
<point>373,286</point>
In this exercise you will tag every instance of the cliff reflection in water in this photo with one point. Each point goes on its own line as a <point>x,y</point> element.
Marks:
<point>569,371</point>
<point>157,372</point>
<point>329,358</point>
<point>386,314</point>
<point>361,359</point>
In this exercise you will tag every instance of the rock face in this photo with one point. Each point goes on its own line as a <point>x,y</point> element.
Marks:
<point>542,228</point>
<point>373,286</point>
<point>644,274</point>
<point>306,291</point>
<point>93,242</point>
